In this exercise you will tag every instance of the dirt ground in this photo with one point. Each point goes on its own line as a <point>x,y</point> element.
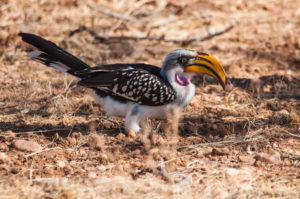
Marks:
<point>239,143</point>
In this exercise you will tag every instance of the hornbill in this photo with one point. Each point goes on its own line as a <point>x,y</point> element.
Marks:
<point>134,91</point>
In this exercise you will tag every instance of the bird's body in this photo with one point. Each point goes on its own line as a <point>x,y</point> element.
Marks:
<point>133,91</point>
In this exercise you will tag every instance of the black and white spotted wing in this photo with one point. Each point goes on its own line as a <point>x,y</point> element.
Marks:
<point>129,84</point>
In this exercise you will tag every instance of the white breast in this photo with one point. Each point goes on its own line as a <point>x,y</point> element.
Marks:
<point>115,108</point>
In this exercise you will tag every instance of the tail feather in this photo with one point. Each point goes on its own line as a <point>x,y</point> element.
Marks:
<point>49,61</point>
<point>52,55</point>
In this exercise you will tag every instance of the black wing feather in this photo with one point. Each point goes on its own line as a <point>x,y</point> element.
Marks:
<point>131,83</point>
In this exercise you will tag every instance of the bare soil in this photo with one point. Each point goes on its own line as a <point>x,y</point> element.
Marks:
<point>239,143</point>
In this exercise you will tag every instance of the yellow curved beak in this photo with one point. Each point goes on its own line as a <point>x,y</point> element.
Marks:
<point>207,64</point>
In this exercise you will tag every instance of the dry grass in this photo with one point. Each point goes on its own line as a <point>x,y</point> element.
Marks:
<point>211,152</point>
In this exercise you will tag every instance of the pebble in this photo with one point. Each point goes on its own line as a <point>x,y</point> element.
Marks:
<point>3,157</point>
<point>246,158</point>
<point>272,157</point>
<point>43,76</point>
<point>220,151</point>
<point>71,141</point>
<point>92,175</point>
<point>24,145</point>
<point>283,112</point>
<point>104,158</point>
<point>132,134</point>
<point>61,163</point>
<point>48,171</point>
<point>101,168</point>
<point>3,147</point>
<point>120,136</point>
<point>96,141</point>
<point>68,170</point>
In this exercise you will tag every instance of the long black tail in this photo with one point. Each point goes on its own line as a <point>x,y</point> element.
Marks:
<point>52,55</point>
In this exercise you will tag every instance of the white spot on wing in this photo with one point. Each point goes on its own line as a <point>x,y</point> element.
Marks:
<point>33,54</point>
<point>59,66</point>
<point>115,88</point>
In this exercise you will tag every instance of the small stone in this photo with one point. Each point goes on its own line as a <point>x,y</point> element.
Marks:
<point>82,152</point>
<point>3,157</point>
<point>48,171</point>
<point>68,152</point>
<point>147,184</point>
<point>132,134</point>
<point>60,163</point>
<point>15,170</point>
<point>101,168</point>
<point>246,158</point>
<point>220,151</point>
<point>268,6</point>
<point>92,175</point>
<point>120,136</point>
<point>76,135</point>
<point>96,141</point>
<point>136,164</point>
<point>154,153</point>
<point>283,112</point>
<point>68,170</point>
<point>71,141</point>
<point>43,76</point>
<point>103,158</point>
<point>272,157</point>
<point>295,117</point>
<point>3,147</point>
<point>29,146</point>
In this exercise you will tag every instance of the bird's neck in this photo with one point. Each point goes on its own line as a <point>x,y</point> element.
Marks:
<point>177,77</point>
<point>181,83</point>
<point>181,80</point>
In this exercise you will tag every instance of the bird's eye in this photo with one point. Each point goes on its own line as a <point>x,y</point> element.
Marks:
<point>183,60</point>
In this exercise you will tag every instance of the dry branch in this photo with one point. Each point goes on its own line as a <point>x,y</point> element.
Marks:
<point>184,42</point>
<point>111,13</point>
<point>291,134</point>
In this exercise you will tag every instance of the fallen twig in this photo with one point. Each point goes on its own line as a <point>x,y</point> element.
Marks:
<point>238,141</point>
<point>39,131</point>
<point>110,13</point>
<point>106,38</point>
<point>291,134</point>
<point>44,150</point>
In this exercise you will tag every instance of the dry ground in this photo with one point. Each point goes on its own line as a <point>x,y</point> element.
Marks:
<point>238,143</point>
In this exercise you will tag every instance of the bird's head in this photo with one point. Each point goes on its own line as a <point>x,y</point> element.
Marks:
<point>180,65</point>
